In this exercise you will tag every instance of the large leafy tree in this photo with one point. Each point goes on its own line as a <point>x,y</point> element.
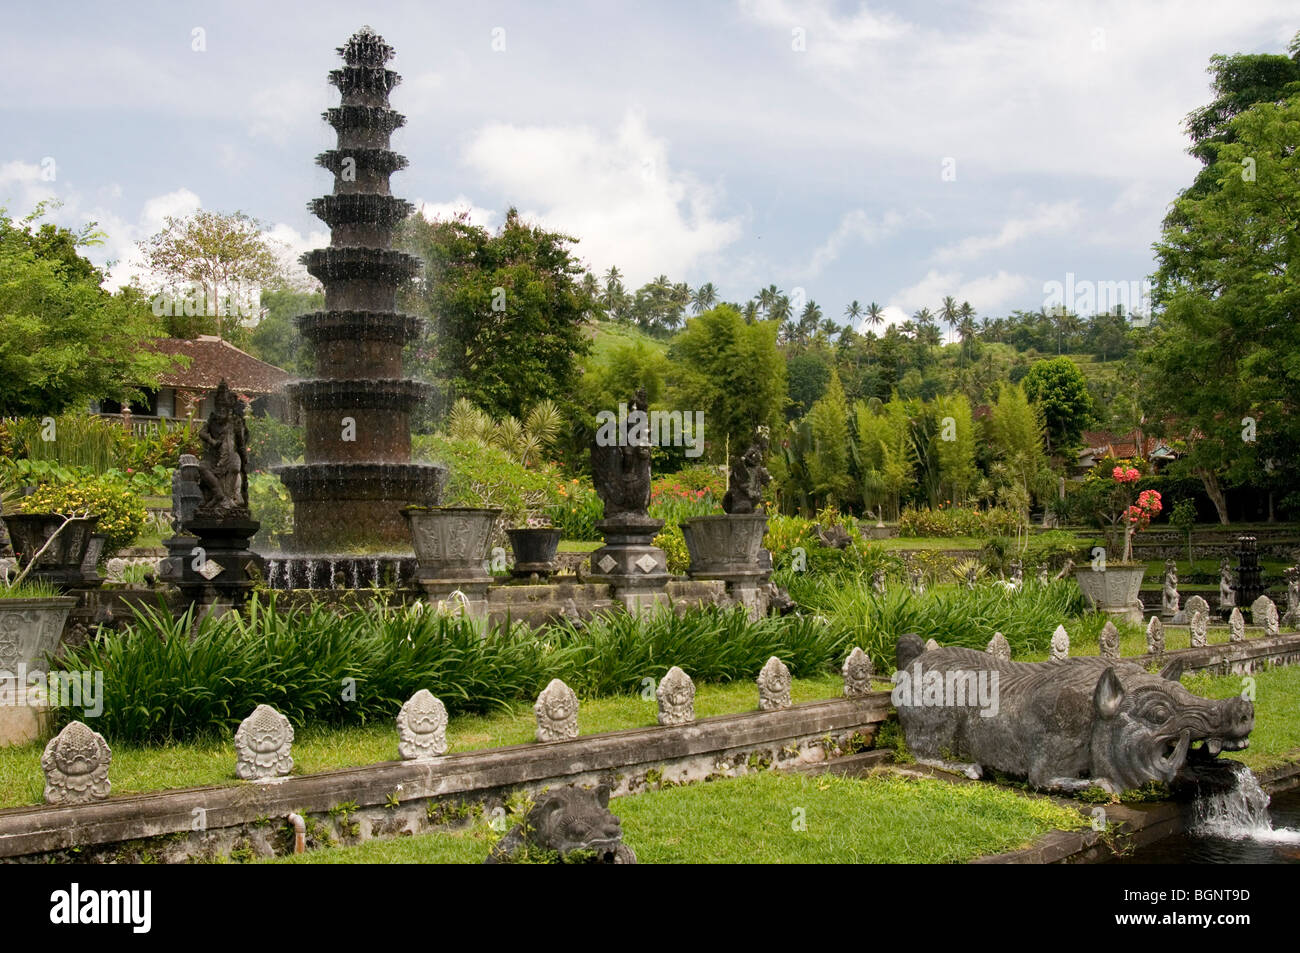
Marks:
<point>733,372</point>
<point>64,340</point>
<point>1060,390</point>
<point>507,310</point>
<point>1223,360</point>
<point>276,339</point>
<point>1239,82</point>
<point>828,464</point>
<point>229,258</point>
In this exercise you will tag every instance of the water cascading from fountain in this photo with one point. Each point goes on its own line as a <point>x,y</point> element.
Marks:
<point>1237,810</point>
<point>358,473</point>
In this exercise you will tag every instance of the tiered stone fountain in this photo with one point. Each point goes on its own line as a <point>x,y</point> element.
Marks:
<point>358,474</point>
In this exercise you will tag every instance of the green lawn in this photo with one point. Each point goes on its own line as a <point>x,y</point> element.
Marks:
<point>580,545</point>
<point>136,770</point>
<point>768,817</point>
<point>964,543</point>
<point>1276,737</point>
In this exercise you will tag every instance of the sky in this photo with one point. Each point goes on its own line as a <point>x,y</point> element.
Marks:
<point>1007,153</point>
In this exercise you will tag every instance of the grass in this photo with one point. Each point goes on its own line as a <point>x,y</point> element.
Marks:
<point>579,545</point>
<point>1276,737</point>
<point>916,543</point>
<point>138,769</point>
<point>767,818</point>
<point>30,589</point>
<point>609,336</point>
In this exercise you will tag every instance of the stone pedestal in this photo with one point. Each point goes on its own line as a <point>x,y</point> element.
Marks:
<point>630,564</point>
<point>216,570</point>
<point>60,565</point>
<point>730,548</point>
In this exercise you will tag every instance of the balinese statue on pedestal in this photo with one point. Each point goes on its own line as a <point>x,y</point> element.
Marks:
<point>748,478</point>
<point>223,468</point>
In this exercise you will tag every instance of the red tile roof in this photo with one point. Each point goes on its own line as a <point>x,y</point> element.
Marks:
<point>212,359</point>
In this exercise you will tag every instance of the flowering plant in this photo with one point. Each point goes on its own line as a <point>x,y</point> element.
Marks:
<point>1133,514</point>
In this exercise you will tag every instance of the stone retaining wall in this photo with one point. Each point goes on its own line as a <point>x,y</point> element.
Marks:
<point>401,798</point>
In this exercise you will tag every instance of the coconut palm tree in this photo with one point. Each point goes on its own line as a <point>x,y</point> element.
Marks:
<point>948,312</point>
<point>853,312</point>
<point>875,315</point>
<point>703,298</point>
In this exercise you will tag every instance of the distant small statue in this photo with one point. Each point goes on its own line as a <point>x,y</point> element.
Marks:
<point>878,582</point>
<point>1017,573</point>
<point>1200,624</point>
<point>620,469</point>
<point>748,478</point>
<point>1043,577</point>
<point>834,537</point>
<point>1291,618</point>
<point>1226,596</point>
<point>1066,570</point>
<point>1169,598</point>
<point>223,469</point>
<point>915,581</point>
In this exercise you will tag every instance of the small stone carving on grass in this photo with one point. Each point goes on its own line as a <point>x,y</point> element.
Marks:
<point>1196,604</point>
<point>557,712</point>
<point>264,744</point>
<point>1108,641</point>
<point>1155,636</point>
<point>774,685</point>
<point>568,825</point>
<point>422,727</point>
<point>676,697</point>
<point>1272,625</point>
<point>1236,626</point>
<point>878,581</point>
<point>1200,625</point>
<point>931,645</point>
<point>999,647</point>
<point>1043,578</point>
<point>76,763</point>
<point>857,672</point>
<point>1060,643</point>
<point>915,582</point>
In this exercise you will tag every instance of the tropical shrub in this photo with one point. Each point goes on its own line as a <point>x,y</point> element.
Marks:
<point>576,510</point>
<point>122,516</point>
<point>168,678</point>
<point>673,542</point>
<point>484,475</point>
<point>272,506</point>
<point>958,521</point>
<point>161,446</point>
<point>271,442</point>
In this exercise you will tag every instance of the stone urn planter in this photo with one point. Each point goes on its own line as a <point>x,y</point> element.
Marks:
<point>61,563</point>
<point>30,631</point>
<point>1113,590</point>
<point>725,546</point>
<point>451,542</point>
<point>535,548</point>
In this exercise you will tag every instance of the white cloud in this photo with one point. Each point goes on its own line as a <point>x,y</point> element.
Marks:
<point>478,215</point>
<point>985,293</point>
<point>1046,218</point>
<point>855,225</point>
<point>839,42</point>
<point>618,193</point>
